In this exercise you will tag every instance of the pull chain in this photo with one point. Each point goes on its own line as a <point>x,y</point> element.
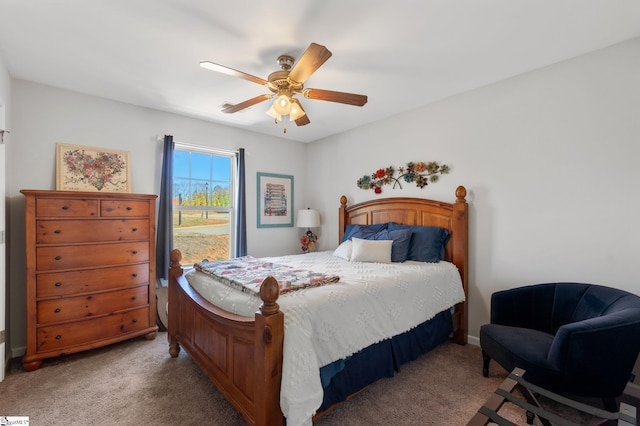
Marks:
<point>275,120</point>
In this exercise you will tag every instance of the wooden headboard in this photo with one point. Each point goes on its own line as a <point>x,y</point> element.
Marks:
<point>422,212</point>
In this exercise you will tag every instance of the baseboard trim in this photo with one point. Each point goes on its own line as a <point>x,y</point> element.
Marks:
<point>473,340</point>
<point>18,352</point>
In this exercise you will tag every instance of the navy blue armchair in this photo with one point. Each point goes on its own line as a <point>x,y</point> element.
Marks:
<point>573,339</point>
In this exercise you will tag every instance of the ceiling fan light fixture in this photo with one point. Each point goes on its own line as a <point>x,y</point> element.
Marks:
<point>296,111</point>
<point>282,105</point>
<point>273,114</point>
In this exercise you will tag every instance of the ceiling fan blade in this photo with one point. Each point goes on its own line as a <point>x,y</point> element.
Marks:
<point>331,96</point>
<point>309,62</point>
<point>228,108</point>
<point>233,73</point>
<point>303,121</point>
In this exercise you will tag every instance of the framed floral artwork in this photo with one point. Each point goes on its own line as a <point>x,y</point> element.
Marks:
<point>275,200</point>
<point>87,168</point>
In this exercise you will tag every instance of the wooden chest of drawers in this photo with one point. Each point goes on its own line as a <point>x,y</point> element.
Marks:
<point>90,261</point>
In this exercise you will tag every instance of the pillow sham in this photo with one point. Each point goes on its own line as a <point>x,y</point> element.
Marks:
<point>401,242</point>
<point>378,251</point>
<point>344,250</point>
<point>427,242</point>
<point>362,231</point>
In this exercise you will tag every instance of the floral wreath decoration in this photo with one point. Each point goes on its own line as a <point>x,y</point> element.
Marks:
<point>421,173</point>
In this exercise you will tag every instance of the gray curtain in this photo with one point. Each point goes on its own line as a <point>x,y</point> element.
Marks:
<point>241,212</point>
<point>164,242</point>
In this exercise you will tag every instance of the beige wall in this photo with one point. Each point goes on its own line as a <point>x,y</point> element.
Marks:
<point>548,158</point>
<point>45,115</point>
<point>550,161</point>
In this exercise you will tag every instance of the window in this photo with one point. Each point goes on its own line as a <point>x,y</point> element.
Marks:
<point>203,188</point>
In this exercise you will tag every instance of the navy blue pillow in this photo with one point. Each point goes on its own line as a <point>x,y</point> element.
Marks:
<point>366,232</point>
<point>401,242</point>
<point>427,242</point>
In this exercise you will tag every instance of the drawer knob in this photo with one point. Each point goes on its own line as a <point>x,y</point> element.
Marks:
<point>134,275</point>
<point>129,208</point>
<point>58,337</point>
<point>134,229</point>
<point>65,207</point>
<point>57,310</point>
<point>57,231</point>
<point>58,284</point>
<point>133,298</point>
<point>134,320</point>
<point>134,252</point>
<point>58,257</point>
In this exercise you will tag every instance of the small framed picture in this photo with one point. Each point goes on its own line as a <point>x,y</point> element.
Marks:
<point>275,200</point>
<point>87,168</point>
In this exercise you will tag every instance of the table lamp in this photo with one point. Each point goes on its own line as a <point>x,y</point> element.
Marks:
<point>308,218</point>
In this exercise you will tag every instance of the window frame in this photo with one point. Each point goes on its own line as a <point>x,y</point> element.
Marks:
<point>232,155</point>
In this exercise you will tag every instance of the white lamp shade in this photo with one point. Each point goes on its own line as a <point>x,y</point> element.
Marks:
<point>308,218</point>
<point>296,110</point>
<point>272,112</point>
<point>282,105</point>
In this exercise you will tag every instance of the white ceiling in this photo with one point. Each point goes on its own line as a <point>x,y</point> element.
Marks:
<point>402,54</point>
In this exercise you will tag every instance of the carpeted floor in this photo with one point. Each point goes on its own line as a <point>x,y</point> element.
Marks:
<point>138,383</point>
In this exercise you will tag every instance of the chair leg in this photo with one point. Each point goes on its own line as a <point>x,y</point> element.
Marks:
<point>485,364</point>
<point>530,417</point>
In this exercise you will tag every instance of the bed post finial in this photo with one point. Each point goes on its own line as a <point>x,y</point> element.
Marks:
<point>175,256</point>
<point>175,269</point>
<point>342,217</point>
<point>461,193</point>
<point>269,292</point>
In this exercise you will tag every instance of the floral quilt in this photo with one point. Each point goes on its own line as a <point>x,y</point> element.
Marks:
<point>247,274</point>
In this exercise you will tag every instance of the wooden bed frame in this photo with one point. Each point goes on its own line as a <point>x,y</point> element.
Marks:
<point>243,356</point>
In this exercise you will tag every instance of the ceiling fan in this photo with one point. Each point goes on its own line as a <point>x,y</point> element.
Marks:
<point>287,83</point>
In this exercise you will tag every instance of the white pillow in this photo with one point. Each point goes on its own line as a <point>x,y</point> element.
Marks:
<point>344,250</point>
<point>378,251</point>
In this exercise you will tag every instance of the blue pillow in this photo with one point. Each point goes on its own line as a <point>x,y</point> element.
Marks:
<point>365,232</point>
<point>401,242</point>
<point>427,242</point>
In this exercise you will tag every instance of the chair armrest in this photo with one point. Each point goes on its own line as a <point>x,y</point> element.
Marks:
<point>587,347</point>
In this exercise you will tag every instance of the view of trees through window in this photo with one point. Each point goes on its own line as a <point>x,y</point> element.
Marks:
<point>202,204</point>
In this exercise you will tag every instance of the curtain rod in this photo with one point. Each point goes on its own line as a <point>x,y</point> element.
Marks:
<point>199,147</point>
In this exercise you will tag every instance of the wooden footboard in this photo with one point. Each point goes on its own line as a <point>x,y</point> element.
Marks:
<point>241,356</point>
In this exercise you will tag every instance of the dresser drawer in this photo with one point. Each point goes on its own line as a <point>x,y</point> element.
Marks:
<point>90,255</point>
<point>64,336</point>
<point>56,284</point>
<point>114,208</point>
<point>79,307</point>
<point>85,231</point>
<point>47,207</point>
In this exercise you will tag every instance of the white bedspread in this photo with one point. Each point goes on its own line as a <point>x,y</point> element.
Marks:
<point>370,303</point>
